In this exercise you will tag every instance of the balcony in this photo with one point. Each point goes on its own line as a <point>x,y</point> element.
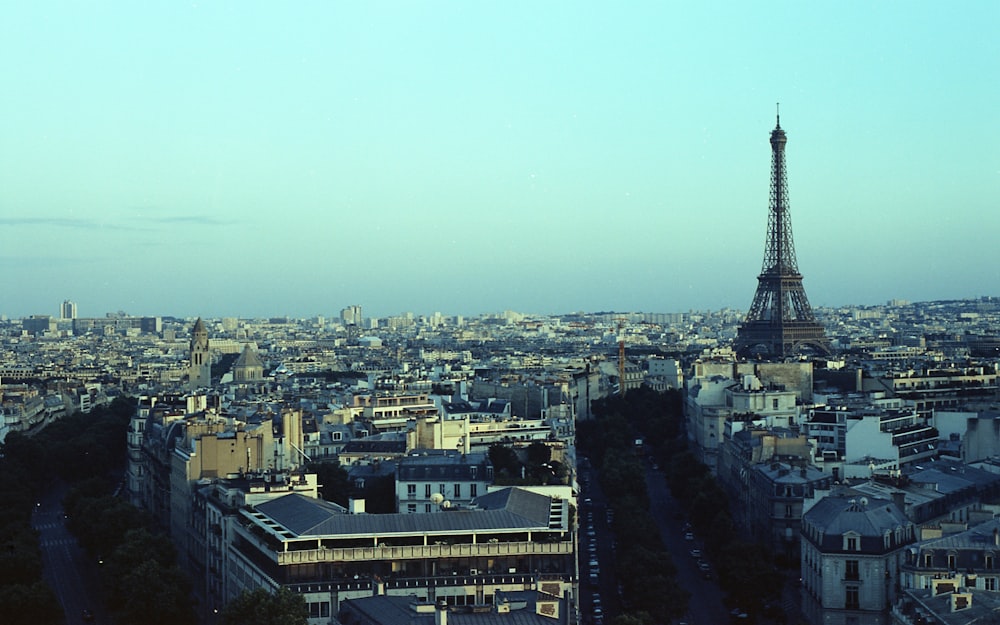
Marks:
<point>394,583</point>
<point>422,552</point>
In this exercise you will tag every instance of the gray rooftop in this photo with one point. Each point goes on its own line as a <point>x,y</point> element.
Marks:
<point>978,537</point>
<point>507,509</point>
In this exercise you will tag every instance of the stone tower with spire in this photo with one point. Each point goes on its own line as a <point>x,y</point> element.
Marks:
<point>200,370</point>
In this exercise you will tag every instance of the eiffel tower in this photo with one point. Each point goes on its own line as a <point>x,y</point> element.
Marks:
<point>780,322</point>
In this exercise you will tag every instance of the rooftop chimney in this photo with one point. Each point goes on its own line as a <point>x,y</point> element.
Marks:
<point>441,613</point>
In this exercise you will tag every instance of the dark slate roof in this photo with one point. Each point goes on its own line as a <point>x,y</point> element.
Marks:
<point>949,476</point>
<point>519,501</point>
<point>511,509</point>
<point>870,519</point>
<point>839,515</point>
<point>985,605</point>
<point>369,446</point>
<point>784,473</point>
<point>434,465</point>
<point>248,358</point>
<point>979,537</point>
<point>494,406</point>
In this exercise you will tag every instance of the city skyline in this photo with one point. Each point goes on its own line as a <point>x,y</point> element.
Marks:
<point>257,160</point>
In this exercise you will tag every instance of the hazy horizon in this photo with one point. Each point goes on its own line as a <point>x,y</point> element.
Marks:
<point>257,160</point>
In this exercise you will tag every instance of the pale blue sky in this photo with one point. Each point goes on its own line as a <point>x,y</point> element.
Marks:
<point>265,158</point>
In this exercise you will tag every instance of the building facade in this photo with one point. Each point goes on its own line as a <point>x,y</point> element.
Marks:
<point>851,556</point>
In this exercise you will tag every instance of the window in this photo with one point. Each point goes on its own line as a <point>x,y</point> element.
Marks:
<point>427,507</point>
<point>990,583</point>
<point>788,511</point>
<point>851,598</point>
<point>951,562</point>
<point>928,560</point>
<point>427,491</point>
<point>411,490</point>
<point>852,543</point>
<point>774,403</point>
<point>458,491</point>
<point>411,508</point>
<point>989,561</point>
<point>473,490</point>
<point>851,570</point>
<point>337,435</point>
<point>473,471</point>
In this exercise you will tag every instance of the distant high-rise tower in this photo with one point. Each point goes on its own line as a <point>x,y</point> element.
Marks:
<point>780,322</point>
<point>200,371</point>
<point>351,316</point>
<point>67,310</point>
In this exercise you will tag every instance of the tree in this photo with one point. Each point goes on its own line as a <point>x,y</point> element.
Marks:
<point>539,453</point>
<point>637,618</point>
<point>333,480</point>
<point>165,598</point>
<point>504,460</point>
<point>261,607</point>
<point>33,604</point>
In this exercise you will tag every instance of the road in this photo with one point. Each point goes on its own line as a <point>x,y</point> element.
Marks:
<point>593,515</point>
<point>66,567</point>
<point>706,604</point>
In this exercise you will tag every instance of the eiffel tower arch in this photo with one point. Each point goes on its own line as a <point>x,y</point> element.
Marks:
<point>780,321</point>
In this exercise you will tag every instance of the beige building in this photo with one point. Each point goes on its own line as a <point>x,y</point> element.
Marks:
<point>200,368</point>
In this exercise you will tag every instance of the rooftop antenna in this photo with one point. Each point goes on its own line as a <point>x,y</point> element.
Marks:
<point>777,110</point>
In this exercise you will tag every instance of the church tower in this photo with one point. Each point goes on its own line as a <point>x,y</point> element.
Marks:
<point>200,371</point>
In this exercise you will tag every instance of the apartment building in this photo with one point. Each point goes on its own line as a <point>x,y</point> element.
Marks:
<point>972,556</point>
<point>852,553</point>
<point>433,480</point>
<point>508,540</point>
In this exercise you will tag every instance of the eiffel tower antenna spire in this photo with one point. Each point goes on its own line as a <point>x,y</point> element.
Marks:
<point>780,321</point>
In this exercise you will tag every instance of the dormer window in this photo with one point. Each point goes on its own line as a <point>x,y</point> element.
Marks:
<point>852,542</point>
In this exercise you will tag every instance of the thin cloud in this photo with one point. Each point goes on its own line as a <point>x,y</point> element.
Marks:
<point>201,220</point>
<point>41,262</point>
<point>94,224</point>
<point>51,221</point>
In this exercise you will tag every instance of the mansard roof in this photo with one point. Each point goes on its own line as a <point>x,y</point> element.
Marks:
<point>863,516</point>
<point>435,465</point>
<point>980,537</point>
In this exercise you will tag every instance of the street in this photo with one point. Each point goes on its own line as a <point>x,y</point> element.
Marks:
<point>706,604</point>
<point>66,567</point>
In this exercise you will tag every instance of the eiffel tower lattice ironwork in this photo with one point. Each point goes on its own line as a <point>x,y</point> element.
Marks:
<point>780,321</point>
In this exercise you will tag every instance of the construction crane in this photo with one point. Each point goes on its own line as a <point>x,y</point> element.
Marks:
<point>621,355</point>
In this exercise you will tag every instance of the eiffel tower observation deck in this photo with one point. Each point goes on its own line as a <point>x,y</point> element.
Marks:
<point>780,322</point>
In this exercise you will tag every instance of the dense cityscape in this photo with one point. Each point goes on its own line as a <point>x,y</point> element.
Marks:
<point>834,466</point>
<point>869,474</point>
<point>404,313</point>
